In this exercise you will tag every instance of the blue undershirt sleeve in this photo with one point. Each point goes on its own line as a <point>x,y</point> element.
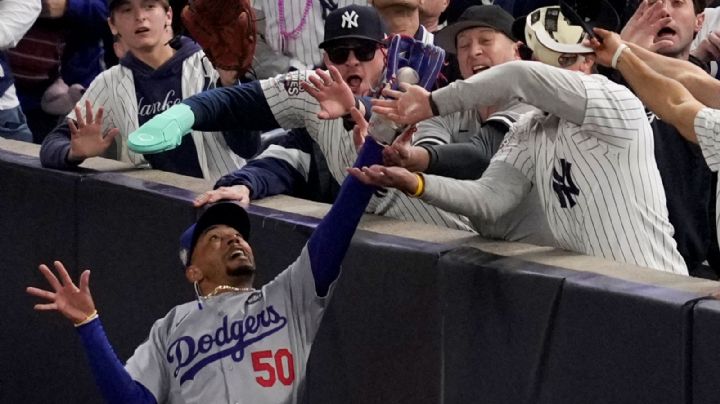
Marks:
<point>330,240</point>
<point>114,381</point>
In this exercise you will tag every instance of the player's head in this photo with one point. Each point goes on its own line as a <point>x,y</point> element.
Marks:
<point>554,40</point>
<point>481,38</point>
<point>686,19</point>
<point>215,248</point>
<point>354,44</point>
<point>143,25</point>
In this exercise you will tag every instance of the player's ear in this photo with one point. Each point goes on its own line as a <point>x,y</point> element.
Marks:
<point>193,273</point>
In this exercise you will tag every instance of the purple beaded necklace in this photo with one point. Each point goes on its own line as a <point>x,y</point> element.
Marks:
<point>295,33</point>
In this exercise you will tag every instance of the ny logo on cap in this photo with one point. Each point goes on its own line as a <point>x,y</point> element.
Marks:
<point>349,19</point>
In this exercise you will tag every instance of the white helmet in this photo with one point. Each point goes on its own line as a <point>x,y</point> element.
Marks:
<point>550,35</point>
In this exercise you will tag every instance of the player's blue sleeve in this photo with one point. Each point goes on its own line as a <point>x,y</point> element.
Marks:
<point>114,381</point>
<point>270,175</point>
<point>228,108</point>
<point>330,240</point>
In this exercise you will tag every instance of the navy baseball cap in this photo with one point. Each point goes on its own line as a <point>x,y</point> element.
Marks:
<point>353,22</point>
<point>485,16</point>
<point>223,212</point>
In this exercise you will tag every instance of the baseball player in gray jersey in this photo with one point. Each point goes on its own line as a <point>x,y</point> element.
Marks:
<point>235,343</point>
<point>590,157</point>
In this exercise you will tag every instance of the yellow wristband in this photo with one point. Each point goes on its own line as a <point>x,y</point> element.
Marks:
<point>92,316</point>
<point>420,186</point>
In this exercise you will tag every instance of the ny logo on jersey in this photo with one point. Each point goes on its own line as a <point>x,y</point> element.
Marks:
<point>564,186</point>
<point>349,19</point>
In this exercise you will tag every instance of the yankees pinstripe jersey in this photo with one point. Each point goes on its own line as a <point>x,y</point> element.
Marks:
<point>591,158</point>
<point>308,14</point>
<point>526,222</point>
<point>294,108</point>
<point>707,129</point>
<point>114,89</point>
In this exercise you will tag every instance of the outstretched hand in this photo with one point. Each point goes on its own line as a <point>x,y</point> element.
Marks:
<point>332,92</point>
<point>605,50</point>
<point>73,302</point>
<point>402,153</point>
<point>86,137</point>
<point>642,28</point>
<point>386,177</point>
<point>239,193</point>
<point>407,108</point>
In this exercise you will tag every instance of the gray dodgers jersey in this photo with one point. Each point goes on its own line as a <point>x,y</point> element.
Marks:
<point>240,348</point>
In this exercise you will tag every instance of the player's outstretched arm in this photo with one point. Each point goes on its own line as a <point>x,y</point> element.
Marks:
<point>666,97</point>
<point>76,304</point>
<point>330,240</point>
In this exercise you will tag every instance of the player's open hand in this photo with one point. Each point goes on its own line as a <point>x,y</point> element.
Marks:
<point>408,107</point>
<point>86,136</point>
<point>331,91</point>
<point>386,177</point>
<point>642,28</point>
<point>73,302</point>
<point>239,193</point>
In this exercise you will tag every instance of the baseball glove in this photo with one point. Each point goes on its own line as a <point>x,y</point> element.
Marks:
<point>226,31</point>
<point>410,61</point>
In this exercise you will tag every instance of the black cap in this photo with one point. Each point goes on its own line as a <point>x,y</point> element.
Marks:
<point>353,22</point>
<point>473,17</point>
<point>591,14</point>
<point>224,212</point>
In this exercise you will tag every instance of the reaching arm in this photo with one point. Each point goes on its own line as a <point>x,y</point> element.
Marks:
<point>281,169</point>
<point>228,108</point>
<point>666,97</point>
<point>76,304</point>
<point>114,381</point>
<point>701,85</point>
<point>554,90</point>
<point>330,240</point>
<point>669,99</point>
<point>466,160</point>
<point>501,188</point>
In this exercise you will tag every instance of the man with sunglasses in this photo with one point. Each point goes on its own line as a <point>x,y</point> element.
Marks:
<point>351,33</point>
<point>589,155</point>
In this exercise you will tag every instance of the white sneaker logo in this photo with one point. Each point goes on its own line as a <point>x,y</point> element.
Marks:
<point>349,19</point>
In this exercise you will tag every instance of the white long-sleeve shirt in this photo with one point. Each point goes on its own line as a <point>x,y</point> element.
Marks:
<point>590,156</point>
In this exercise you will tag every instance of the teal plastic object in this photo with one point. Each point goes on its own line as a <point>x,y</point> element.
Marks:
<point>163,131</point>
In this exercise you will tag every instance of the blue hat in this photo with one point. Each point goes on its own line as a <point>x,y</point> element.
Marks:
<point>224,212</point>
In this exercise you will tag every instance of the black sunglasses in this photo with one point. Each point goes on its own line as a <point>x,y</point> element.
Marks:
<point>363,53</point>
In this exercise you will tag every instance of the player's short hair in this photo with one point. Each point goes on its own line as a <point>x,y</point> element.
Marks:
<point>699,6</point>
